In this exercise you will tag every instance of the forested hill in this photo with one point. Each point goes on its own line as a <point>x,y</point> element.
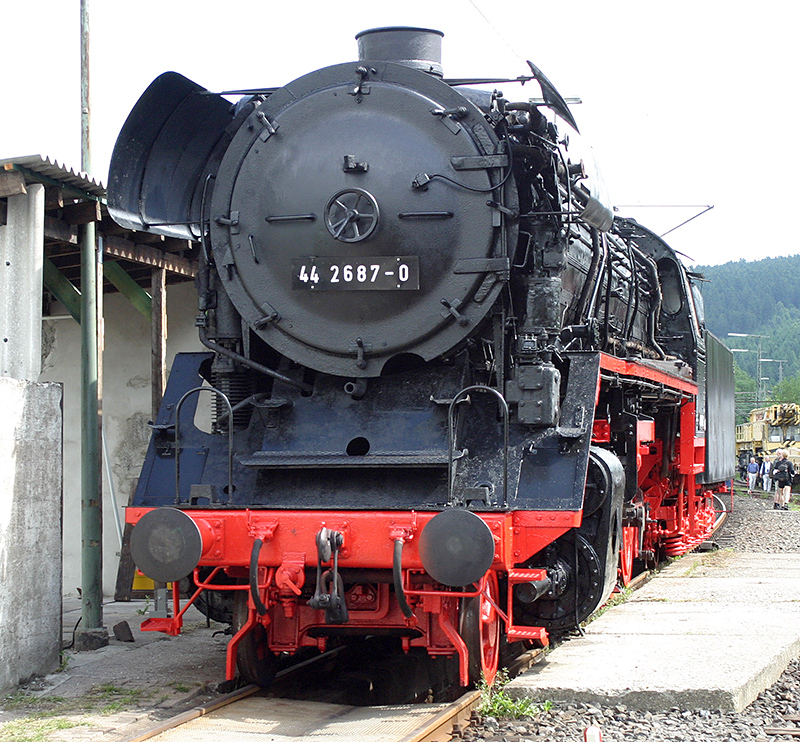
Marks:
<point>758,298</point>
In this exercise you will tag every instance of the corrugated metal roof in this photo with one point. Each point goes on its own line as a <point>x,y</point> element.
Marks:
<point>137,253</point>
<point>53,172</point>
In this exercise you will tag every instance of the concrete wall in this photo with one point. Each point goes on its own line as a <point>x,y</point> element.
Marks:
<point>126,410</point>
<point>30,456</point>
<point>30,530</point>
<point>21,256</point>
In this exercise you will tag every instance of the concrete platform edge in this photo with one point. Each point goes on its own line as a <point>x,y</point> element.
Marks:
<point>742,654</point>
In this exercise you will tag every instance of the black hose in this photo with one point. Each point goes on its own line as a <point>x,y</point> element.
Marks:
<point>260,607</point>
<point>655,307</point>
<point>591,277</point>
<point>397,569</point>
<point>75,628</point>
<point>591,309</point>
<point>217,348</point>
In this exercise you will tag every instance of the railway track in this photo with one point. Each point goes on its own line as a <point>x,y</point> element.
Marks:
<point>298,706</point>
<point>722,507</point>
<point>280,713</point>
<point>248,713</point>
<point>790,728</point>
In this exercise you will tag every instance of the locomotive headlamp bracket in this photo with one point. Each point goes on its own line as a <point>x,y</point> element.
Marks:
<point>232,221</point>
<point>267,124</point>
<point>362,73</point>
<point>459,112</point>
<point>351,165</point>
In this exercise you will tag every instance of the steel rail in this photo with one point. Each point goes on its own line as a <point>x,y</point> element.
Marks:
<point>195,713</point>
<point>721,514</point>
<point>454,718</point>
<point>449,720</point>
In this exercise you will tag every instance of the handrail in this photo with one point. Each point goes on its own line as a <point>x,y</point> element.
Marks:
<point>451,437</point>
<point>197,390</point>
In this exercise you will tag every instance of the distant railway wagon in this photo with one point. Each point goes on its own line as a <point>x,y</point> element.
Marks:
<point>767,430</point>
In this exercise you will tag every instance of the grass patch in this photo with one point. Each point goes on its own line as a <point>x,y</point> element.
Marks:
<point>689,572</point>
<point>34,729</point>
<point>716,558</point>
<point>35,704</point>
<point>619,598</point>
<point>47,714</point>
<point>109,698</point>
<point>496,702</point>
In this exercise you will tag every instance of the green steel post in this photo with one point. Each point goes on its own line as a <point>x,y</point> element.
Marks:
<point>91,634</point>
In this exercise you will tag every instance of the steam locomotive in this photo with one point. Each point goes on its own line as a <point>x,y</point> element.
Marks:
<point>456,400</point>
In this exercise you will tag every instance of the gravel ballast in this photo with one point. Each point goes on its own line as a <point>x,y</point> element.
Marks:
<point>752,527</point>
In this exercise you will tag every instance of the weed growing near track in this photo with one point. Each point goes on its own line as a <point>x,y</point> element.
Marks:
<point>496,702</point>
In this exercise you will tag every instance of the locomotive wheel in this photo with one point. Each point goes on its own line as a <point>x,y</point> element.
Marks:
<point>479,627</point>
<point>254,660</point>
<point>630,537</point>
<point>560,613</point>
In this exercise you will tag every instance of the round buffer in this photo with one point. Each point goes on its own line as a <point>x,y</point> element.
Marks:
<point>456,547</point>
<point>166,544</point>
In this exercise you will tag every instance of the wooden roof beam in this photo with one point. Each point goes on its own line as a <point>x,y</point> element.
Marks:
<point>12,183</point>
<point>81,212</point>
<point>118,247</point>
<point>59,230</point>
<point>53,197</point>
<point>121,248</point>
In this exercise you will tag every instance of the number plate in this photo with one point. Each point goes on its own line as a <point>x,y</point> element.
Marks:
<point>392,273</point>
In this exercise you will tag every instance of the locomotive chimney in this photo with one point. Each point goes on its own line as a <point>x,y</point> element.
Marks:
<point>420,48</point>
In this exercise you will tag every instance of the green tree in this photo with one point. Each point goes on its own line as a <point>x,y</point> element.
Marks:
<point>760,297</point>
<point>787,390</point>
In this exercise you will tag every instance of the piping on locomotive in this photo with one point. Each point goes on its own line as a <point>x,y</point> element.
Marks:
<point>455,399</point>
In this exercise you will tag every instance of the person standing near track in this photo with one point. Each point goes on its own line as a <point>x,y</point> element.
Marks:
<point>783,474</point>
<point>766,473</point>
<point>752,475</point>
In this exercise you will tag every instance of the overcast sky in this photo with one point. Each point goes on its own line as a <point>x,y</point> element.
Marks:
<point>684,103</point>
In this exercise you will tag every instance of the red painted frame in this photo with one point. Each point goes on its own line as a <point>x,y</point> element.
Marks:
<point>289,549</point>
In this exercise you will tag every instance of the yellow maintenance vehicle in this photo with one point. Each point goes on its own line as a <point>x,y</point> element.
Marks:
<point>768,429</point>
